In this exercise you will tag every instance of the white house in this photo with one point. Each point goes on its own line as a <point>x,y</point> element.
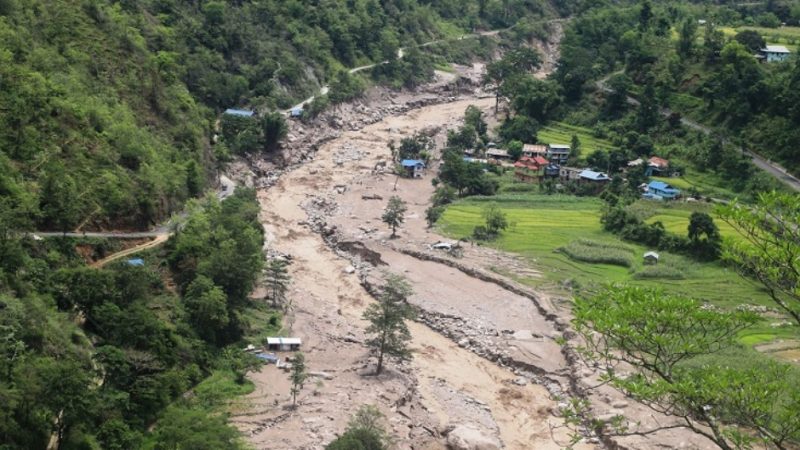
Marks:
<point>775,53</point>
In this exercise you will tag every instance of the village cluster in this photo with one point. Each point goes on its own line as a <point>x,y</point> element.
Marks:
<point>542,162</point>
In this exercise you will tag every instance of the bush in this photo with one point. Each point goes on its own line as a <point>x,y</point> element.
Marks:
<point>481,233</point>
<point>593,252</point>
<point>663,272</point>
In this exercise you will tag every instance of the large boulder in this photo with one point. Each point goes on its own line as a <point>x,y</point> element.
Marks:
<point>466,437</point>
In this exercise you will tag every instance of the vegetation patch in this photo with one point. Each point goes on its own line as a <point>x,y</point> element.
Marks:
<point>599,252</point>
<point>659,272</point>
<point>561,133</point>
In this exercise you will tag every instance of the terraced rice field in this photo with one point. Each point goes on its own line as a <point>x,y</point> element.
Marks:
<point>540,225</point>
<point>561,133</point>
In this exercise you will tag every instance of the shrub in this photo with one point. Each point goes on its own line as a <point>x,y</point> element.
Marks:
<point>481,233</point>
<point>663,272</point>
<point>585,250</point>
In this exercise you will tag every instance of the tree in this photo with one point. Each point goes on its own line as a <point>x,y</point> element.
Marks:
<point>443,195</point>
<point>575,148</point>
<point>196,429</point>
<point>364,432</point>
<point>414,147</point>
<point>207,306</point>
<point>433,214</point>
<point>617,98</point>
<point>515,149</point>
<point>664,344</point>
<point>751,39</point>
<point>687,37</point>
<point>394,214</point>
<point>59,201</point>
<point>648,110</point>
<point>770,248</point>
<point>506,70</point>
<point>537,99</point>
<point>496,220</point>
<point>645,15</point>
<point>194,179</point>
<point>704,235</point>
<point>474,116</point>
<point>277,277</point>
<point>386,317</point>
<point>274,129</point>
<point>713,42</point>
<point>298,375</point>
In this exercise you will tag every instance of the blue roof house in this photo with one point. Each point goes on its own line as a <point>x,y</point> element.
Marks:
<point>296,111</point>
<point>592,176</point>
<point>661,191</point>
<point>239,112</point>
<point>135,262</point>
<point>413,168</point>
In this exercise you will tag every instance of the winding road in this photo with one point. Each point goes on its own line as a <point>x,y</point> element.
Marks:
<point>159,235</point>
<point>759,161</point>
<point>325,89</point>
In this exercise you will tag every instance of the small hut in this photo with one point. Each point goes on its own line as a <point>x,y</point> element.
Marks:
<point>651,258</point>
<point>283,344</point>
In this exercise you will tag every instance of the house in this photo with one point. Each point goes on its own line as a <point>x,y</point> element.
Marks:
<point>558,153</point>
<point>658,190</point>
<point>239,112</point>
<point>413,168</point>
<point>552,171</point>
<point>775,53</point>
<point>296,111</point>
<point>496,153</point>
<point>135,262</point>
<point>531,150</point>
<point>529,169</point>
<point>283,344</point>
<point>656,165</point>
<point>651,258</point>
<point>476,160</point>
<point>569,173</point>
<point>590,176</point>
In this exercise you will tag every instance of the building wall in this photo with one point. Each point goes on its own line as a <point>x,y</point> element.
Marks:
<point>777,57</point>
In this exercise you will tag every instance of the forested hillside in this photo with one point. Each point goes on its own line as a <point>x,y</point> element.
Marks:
<point>106,107</point>
<point>107,117</point>
<point>689,58</point>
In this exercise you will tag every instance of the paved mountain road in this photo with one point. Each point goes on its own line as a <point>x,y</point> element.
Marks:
<point>759,161</point>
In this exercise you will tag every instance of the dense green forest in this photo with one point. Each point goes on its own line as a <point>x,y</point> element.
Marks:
<point>676,56</point>
<point>106,107</point>
<point>93,356</point>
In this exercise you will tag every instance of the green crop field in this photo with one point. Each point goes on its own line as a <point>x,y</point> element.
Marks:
<point>677,221</point>
<point>786,36</point>
<point>561,133</point>
<point>542,224</point>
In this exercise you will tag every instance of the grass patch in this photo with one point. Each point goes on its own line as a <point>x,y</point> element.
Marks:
<point>263,322</point>
<point>659,272</point>
<point>786,36</point>
<point>586,250</point>
<point>561,133</point>
<point>676,219</point>
<point>220,387</point>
